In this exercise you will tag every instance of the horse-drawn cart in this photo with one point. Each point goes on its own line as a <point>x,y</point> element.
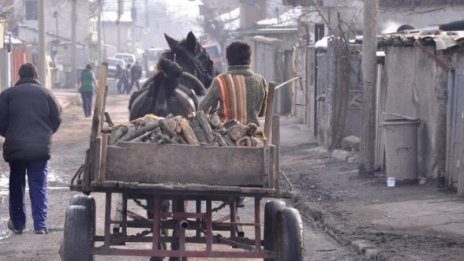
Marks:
<point>203,183</point>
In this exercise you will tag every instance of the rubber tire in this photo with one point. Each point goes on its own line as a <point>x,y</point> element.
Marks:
<point>89,203</point>
<point>77,240</point>
<point>288,235</point>
<point>270,210</point>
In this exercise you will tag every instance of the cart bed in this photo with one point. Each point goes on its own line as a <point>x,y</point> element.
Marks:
<point>163,163</point>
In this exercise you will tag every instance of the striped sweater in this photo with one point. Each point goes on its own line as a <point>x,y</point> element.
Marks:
<point>238,94</point>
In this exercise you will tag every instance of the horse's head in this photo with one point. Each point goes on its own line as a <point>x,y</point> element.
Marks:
<point>192,57</point>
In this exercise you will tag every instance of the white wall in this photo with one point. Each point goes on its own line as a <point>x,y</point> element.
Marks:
<point>63,10</point>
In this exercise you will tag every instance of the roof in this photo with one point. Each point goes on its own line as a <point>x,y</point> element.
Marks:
<point>417,3</point>
<point>287,18</point>
<point>441,39</point>
<point>10,39</point>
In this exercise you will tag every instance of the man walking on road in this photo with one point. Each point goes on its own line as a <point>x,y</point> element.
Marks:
<point>29,115</point>
<point>87,84</point>
<point>136,74</point>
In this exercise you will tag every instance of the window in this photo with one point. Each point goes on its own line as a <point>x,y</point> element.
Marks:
<point>31,10</point>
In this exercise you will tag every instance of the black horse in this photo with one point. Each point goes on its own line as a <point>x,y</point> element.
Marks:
<point>184,72</point>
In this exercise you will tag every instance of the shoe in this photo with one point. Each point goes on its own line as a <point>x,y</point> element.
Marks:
<point>42,231</point>
<point>12,228</point>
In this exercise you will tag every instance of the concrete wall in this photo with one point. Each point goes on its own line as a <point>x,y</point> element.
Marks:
<point>62,22</point>
<point>416,87</point>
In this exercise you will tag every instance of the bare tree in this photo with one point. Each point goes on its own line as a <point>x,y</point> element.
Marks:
<point>213,27</point>
<point>342,30</point>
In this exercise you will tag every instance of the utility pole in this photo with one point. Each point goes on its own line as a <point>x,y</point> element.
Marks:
<point>41,52</point>
<point>120,12</point>
<point>147,17</point>
<point>73,45</point>
<point>369,69</point>
<point>133,19</point>
<point>99,33</point>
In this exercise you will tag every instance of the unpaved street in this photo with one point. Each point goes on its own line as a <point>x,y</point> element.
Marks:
<point>69,146</point>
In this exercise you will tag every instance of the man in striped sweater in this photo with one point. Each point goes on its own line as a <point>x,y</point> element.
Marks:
<point>238,94</point>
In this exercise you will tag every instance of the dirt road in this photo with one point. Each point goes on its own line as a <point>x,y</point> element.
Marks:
<point>69,146</point>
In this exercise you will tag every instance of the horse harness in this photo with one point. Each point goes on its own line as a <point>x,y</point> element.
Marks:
<point>199,71</point>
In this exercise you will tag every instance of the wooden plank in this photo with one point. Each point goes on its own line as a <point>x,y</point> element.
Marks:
<point>162,163</point>
<point>96,159</point>
<point>266,166</point>
<point>276,143</point>
<point>104,150</point>
<point>85,182</point>
<point>271,167</point>
<point>171,189</point>
<point>97,120</point>
<point>92,165</point>
<point>269,111</point>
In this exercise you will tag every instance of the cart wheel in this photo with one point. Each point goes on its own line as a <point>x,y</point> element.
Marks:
<point>77,241</point>
<point>89,203</point>
<point>288,235</point>
<point>270,210</point>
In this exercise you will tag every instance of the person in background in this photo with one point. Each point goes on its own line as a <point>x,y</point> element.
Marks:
<point>121,78</point>
<point>127,79</point>
<point>87,84</point>
<point>29,115</point>
<point>238,94</point>
<point>136,74</point>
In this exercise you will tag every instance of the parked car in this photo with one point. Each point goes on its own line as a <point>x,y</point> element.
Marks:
<point>112,62</point>
<point>127,57</point>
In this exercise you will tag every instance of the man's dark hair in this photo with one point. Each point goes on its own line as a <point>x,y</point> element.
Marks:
<point>88,66</point>
<point>238,53</point>
<point>27,70</point>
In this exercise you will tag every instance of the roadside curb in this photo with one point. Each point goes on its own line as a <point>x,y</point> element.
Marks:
<point>317,216</point>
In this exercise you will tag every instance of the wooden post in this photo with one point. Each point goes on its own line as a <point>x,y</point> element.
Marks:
<point>276,143</point>
<point>103,155</point>
<point>269,109</point>
<point>97,123</point>
<point>369,68</point>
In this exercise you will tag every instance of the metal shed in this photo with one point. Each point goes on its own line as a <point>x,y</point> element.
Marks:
<point>422,78</point>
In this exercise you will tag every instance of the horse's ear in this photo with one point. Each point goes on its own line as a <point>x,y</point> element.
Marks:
<point>173,43</point>
<point>192,43</point>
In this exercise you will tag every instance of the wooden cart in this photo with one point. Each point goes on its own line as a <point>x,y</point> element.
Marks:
<point>210,179</point>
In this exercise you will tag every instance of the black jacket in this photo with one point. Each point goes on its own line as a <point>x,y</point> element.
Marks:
<point>29,115</point>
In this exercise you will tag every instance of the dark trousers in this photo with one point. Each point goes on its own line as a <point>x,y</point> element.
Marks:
<point>136,81</point>
<point>123,85</point>
<point>36,172</point>
<point>87,103</point>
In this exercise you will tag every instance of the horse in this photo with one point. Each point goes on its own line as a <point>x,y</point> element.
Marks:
<point>184,72</point>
